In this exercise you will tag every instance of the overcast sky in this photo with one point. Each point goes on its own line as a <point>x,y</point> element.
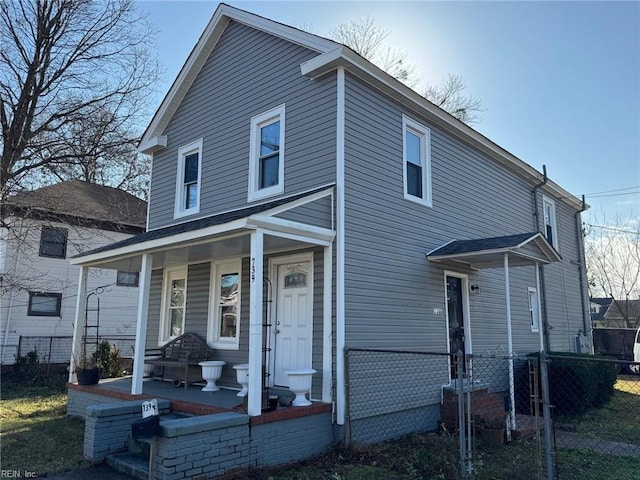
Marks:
<point>560,81</point>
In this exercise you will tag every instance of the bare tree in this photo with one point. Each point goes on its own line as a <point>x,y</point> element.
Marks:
<point>613,264</point>
<point>75,79</point>
<point>367,39</point>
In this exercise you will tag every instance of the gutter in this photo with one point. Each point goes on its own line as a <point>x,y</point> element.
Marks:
<point>582,266</point>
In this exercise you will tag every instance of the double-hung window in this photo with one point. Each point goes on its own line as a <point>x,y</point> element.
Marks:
<point>174,301</point>
<point>266,162</point>
<point>188,181</point>
<point>534,311</point>
<point>43,304</point>
<point>550,222</point>
<point>53,242</point>
<point>416,161</point>
<point>224,324</point>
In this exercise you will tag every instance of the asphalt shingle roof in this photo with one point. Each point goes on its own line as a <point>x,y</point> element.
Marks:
<point>457,247</point>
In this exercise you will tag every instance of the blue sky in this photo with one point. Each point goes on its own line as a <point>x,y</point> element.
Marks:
<point>560,81</point>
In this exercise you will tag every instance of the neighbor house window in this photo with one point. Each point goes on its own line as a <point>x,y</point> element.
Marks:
<point>44,304</point>
<point>266,162</point>
<point>188,182</point>
<point>416,161</point>
<point>550,222</point>
<point>127,279</point>
<point>224,324</point>
<point>174,303</point>
<point>53,242</point>
<point>534,311</point>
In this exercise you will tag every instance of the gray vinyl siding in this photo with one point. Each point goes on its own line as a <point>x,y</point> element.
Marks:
<point>562,284</point>
<point>248,73</point>
<point>394,297</point>
<point>318,213</point>
<point>155,305</point>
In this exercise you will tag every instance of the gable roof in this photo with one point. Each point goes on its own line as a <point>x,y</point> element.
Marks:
<point>200,223</point>
<point>632,308</point>
<point>332,54</point>
<point>524,249</point>
<point>81,203</point>
<point>603,306</point>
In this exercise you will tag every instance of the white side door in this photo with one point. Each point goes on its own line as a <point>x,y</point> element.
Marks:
<point>293,320</point>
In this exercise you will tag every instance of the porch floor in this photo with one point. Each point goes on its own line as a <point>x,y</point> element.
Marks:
<point>196,402</point>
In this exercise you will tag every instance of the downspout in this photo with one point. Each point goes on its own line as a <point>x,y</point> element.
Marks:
<point>543,296</point>
<point>582,266</point>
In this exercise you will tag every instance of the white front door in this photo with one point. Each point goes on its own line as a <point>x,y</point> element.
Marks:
<point>292,324</point>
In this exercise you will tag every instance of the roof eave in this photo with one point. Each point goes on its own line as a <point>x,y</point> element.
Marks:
<point>377,77</point>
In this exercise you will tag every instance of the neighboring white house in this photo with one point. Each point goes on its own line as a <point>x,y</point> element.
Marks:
<point>38,287</point>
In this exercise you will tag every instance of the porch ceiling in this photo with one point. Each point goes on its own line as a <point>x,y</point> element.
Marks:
<point>237,245</point>
<point>523,249</point>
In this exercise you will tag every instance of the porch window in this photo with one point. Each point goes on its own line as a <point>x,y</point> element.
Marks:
<point>550,223</point>
<point>174,303</point>
<point>534,314</point>
<point>188,179</point>
<point>224,326</point>
<point>266,162</point>
<point>417,161</point>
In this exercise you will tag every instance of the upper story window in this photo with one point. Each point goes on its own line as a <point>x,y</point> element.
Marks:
<point>416,161</point>
<point>44,304</point>
<point>53,242</point>
<point>266,162</point>
<point>127,279</point>
<point>174,296</point>
<point>224,324</point>
<point>188,181</point>
<point>550,223</point>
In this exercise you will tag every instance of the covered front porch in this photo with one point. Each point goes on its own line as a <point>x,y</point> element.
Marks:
<point>256,283</point>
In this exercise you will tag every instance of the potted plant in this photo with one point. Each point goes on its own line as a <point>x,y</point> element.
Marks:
<point>87,371</point>
<point>492,431</point>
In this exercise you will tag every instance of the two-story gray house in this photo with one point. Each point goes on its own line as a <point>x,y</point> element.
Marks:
<point>304,202</point>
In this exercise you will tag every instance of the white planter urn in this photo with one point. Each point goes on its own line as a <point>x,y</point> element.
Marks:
<point>300,384</point>
<point>211,371</point>
<point>242,377</point>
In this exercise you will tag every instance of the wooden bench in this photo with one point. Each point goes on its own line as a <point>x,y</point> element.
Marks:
<point>184,351</point>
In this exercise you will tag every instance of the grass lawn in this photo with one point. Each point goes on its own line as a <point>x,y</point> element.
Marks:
<point>36,434</point>
<point>619,420</point>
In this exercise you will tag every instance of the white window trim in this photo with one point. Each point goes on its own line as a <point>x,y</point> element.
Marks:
<point>425,154</point>
<point>171,273</point>
<point>532,292</point>
<point>179,210</point>
<point>219,268</point>
<point>257,122</point>
<point>554,219</point>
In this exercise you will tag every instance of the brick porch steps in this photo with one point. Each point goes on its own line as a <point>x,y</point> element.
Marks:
<point>130,464</point>
<point>484,406</point>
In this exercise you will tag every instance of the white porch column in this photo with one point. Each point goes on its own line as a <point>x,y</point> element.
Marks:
<point>326,324</point>
<point>512,393</point>
<point>256,273</point>
<point>141,324</point>
<point>78,324</point>
<point>538,299</point>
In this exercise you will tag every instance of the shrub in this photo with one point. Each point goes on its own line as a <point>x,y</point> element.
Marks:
<point>575,384</point>
<point>107,359</point>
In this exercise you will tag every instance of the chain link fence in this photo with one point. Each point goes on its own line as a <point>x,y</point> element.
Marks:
<point>523,417</point>
<point>57,350</point>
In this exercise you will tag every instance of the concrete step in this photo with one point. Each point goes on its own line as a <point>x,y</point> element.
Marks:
<point>129,464</point>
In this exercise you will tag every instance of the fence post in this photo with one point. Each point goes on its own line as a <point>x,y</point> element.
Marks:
<point>459,359</point>
<point>546,409</point>
<point>347,382</point>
